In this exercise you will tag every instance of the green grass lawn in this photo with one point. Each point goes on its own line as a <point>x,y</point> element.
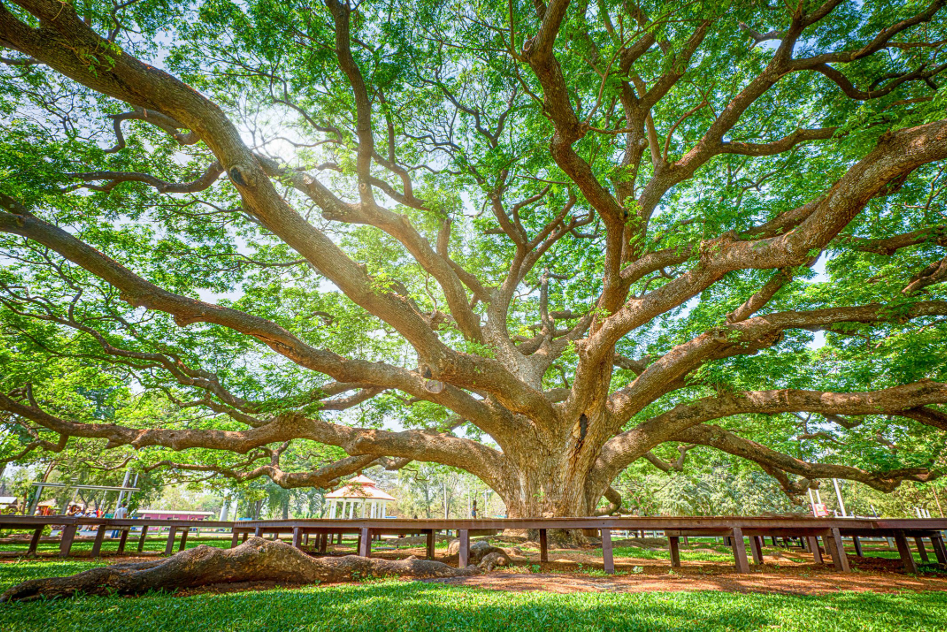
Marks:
<point>392,606</point>
<point>697,551</point>
<point>704,554</point>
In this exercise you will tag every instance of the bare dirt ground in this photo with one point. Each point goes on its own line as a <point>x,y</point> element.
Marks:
<point>784,571</point>
<point>814,583</point>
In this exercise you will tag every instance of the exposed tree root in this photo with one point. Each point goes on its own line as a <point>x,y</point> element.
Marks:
<point>492,560</point>
<point>255,560</point>
<point>479,552</point>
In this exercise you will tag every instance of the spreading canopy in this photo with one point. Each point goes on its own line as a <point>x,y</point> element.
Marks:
<point>537,242</point>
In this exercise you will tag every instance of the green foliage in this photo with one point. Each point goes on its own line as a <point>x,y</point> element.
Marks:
<point>428,490</point>
<point>711,487</point>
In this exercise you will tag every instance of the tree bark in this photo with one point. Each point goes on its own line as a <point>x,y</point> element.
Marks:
<point>255,560</point>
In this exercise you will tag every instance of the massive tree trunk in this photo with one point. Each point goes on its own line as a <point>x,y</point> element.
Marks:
<point>557,477</point>
<point>556,492</point>
<point>551,487</point>
<point>555,481</point>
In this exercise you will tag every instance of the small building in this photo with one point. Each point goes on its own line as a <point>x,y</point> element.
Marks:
<point>9,504</point>
<point>172,514</point>
<point>359,498</point>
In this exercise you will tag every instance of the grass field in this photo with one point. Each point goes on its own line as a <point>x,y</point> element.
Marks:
<point>392,606</point>
<point>705,553</point>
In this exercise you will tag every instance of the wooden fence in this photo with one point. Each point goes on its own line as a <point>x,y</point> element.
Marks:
<point>734,529</point>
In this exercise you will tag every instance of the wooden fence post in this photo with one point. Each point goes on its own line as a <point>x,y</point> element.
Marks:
<point>463,554</point>
<point>65,544</point>
<point>937,542</point>
<point>34,541</point>
<point>607,556</point>
<point>739,550</point>
<point>674,544</point>
<point>184,533</point>
<point>297,537</point>
<point>756,549</point>
<point>97,545</point>
<point>365,542</point>
<point>169,547</point>
<point>905,551</point>
<point>141,540</point>
<point>814,547</point>
<point>839,556</point>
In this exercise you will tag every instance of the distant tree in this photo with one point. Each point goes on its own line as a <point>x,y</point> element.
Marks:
<point>427,490</point>
<point>182,498</point>
<point>717,487</point>
<point>901,503</point>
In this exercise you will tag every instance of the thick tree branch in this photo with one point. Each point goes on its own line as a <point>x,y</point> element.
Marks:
<point>771,461</point>
<point>890,245</point>
<point>484,462</point>
<point>61,33</point>
<point>325,477</point>
<point>746,337</point>
<point>883,170</point>
<point>169,125</point>
<point>114,178</point>
<point>674,424</point>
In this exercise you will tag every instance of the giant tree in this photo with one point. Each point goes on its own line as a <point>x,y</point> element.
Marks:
<point>538,242</point>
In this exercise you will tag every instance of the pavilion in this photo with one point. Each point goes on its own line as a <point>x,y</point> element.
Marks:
<point>359,498</point>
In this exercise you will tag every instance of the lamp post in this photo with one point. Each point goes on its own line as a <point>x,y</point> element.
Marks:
<point>838,494</point>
